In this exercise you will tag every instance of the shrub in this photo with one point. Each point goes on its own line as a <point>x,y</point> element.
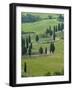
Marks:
<point>58,73</point>
<point>48,74</point>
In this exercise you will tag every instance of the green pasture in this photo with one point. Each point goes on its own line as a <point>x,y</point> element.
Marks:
<point>39,27</point>
<point>41,65</point>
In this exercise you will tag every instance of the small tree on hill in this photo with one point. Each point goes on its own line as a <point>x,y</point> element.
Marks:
<point>25,67</point>
<point>37,38</point>
<point>52,47</point>
<point>27,43</point>
<point>62,26</point>
<point>29,38</point>
<point>56,28</point>
<point>54,35</point>
<point>24,49</point>
<point>41,50</point>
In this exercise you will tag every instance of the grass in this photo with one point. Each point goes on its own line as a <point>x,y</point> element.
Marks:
<point>39,27</point>
<point>41,65</point>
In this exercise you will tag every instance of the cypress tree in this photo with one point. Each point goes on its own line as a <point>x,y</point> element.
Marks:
<point>29,51</point>
<point>27,43</point>
<point>25,67</point>
<point>29,39</point>
<point>54,35</point>
<point>37,38</point>
<point>52,47</point>
<point>41,50</point>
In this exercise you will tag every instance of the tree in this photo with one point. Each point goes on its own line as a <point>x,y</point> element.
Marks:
<point>54,34</point>
<point>29,38</point>
<point>61,18</point>
<point>41,50</point>
<point>50,17</point>
<point>37,38</point>
<point>25,67</point>
<point>62,26</point>
<point>27,43</point>
<point>24,49</point>
<point>23,41</point>
<point>52,47</point>
<point>56,28</point>
<point>50,31</point>
<point>59,27</point>
<point>29,51</point>
<point>46,50</point>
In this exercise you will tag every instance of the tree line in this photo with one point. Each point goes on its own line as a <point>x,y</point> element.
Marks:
<point>27,46</point>
<point>56,28</point>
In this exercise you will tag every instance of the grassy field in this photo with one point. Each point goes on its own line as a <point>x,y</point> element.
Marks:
<point>43,65</point>
<point>39,27</point>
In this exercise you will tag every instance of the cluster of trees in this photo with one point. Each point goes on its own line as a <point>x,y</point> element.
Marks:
<point>29,18</point>
<point>52,49</point>
<point>61,18</point>
<point>26,45</point>
<point>56,28</point>
<point>41,50</point>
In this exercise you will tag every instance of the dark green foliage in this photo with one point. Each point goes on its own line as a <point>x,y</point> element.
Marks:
<point>48,74</point>
<point>23,42</point>
<point>62,26</point>
<point>61,18</point>
<point>58,73</point>
<point>30,18</point>
<point>59,27</point>
<point>52,47</point>
<point>55,28</point>
<point>29,38</point>
<point>41,50</point>
<point>29,51</point>
<point>25,67</point>
<point>46,50</point>
<point>37,38</point>
<point>54,34</point>
<point>50,17</point>
<point>27,42</point>
<point>24,49</point>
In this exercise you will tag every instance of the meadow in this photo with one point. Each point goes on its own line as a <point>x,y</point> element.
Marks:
<point>49,64</point>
